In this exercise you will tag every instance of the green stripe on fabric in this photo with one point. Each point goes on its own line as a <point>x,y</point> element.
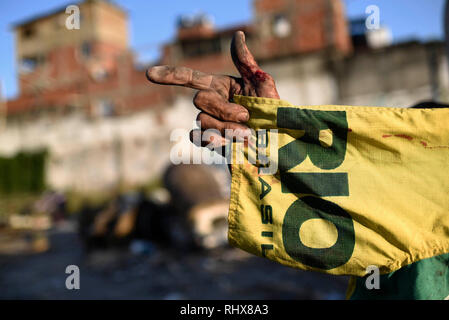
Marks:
<point>426,279</point>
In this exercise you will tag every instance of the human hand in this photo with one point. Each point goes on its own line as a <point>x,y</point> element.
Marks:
<point>214,98</point>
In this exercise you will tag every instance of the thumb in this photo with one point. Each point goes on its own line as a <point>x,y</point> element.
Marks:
<point>262,83</point>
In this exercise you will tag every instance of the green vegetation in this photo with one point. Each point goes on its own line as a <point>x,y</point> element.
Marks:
<point>22,173</point>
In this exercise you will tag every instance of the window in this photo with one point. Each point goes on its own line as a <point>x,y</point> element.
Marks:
<point>30,64</point>
<point>200,47</point>
<point>28,32</point>
<point>281,26</point>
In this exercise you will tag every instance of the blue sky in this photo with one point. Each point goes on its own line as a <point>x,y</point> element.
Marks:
<point>154,22</point>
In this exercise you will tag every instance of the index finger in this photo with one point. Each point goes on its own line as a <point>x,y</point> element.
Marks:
<point>180,76</point>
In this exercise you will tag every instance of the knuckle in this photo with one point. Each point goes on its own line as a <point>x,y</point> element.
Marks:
<point>230,114</point>
<point>201,100</point>
<point>223,110</point>
<point>222,113</point>
<point>181,73</point>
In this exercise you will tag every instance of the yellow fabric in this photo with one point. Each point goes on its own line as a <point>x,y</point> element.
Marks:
<point>396,165</point>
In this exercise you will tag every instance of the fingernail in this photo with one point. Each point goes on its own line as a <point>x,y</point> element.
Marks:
<point>153,72</point>
<point>243,116</point>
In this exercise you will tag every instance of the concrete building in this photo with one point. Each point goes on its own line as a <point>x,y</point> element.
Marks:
<point>83,98</point>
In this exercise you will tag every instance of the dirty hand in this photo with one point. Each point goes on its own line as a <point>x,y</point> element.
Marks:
<point>216,91</point>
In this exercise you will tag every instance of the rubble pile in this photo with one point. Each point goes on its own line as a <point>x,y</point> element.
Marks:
<point>193,215</point>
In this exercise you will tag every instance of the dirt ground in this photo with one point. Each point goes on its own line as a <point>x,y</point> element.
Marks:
<point>159,273</point>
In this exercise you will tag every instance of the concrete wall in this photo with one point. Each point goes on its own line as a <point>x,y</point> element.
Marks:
<point>100,154</point>
<point>397,76</point>
<point>304,80</point>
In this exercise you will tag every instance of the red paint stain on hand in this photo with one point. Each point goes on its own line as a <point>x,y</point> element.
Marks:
<point>260,76</point>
